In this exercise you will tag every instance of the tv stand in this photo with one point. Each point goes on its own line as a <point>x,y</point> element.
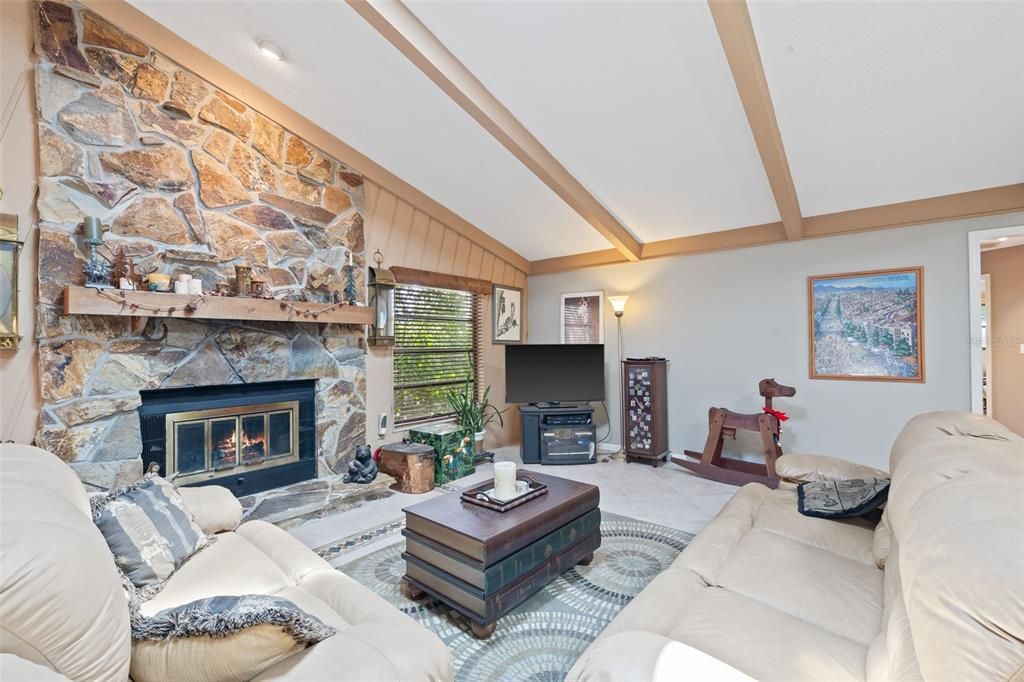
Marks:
<point>558,434</point>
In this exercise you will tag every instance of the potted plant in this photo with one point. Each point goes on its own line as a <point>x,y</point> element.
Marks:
<point>474,413</point>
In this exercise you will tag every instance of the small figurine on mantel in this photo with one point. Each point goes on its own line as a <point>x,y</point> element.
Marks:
<point>362,469</point>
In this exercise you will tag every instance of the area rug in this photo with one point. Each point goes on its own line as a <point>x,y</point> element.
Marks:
<point>541,639</point>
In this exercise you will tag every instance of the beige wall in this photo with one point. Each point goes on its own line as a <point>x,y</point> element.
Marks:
<point>411,238</point>
<point>1006,305</point>
<point>728,319</point>
<point>19,389</point>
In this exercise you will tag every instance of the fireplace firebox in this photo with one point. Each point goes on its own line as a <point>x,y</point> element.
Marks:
<point>246,437</point>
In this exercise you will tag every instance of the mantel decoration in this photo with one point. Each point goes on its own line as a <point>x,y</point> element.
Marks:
<point>867,325</point>
<point>506,314</point>
<point>10,247</point>
<point>582,319</point>
<point>97,271</point>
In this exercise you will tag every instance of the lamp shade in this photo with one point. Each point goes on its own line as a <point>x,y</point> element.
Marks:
<point>618,303</point>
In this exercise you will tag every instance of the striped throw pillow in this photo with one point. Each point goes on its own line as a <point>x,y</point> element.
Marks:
<point>149,530</point>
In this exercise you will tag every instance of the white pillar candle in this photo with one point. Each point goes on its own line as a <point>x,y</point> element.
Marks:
<point>181,287</point>
<point>184,277</point>
<point>504,480</point>
<point>195,287</point>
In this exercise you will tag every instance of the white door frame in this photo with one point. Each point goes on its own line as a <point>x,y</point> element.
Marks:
<point>974,240</point>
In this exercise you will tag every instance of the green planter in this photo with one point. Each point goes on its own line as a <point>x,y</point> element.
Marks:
<point>454,447</point>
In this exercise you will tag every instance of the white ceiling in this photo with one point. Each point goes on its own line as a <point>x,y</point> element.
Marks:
<point>881,102</point>
<point>635,99</point>
<point>342,75</point>
<point>877,102</point>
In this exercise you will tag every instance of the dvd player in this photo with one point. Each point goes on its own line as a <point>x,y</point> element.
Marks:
<point>579,419</point>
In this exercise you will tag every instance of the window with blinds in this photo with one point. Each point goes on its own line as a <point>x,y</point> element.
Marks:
<point>437,338</point>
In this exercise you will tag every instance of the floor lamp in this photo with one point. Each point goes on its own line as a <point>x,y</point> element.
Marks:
<point>619,306</point>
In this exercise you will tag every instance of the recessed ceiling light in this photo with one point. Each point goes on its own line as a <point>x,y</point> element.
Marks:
<point>1003,239</point>
<point>270,49</point>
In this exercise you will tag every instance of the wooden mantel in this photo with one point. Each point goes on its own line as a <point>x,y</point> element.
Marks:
<point>87,301</point>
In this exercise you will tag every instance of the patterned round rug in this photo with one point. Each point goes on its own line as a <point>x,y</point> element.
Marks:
<point>541,638</point>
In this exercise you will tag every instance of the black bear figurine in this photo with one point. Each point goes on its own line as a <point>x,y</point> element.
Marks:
<point>362,469</point>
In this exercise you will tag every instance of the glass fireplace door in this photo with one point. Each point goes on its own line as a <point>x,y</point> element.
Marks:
<point>206,444</point>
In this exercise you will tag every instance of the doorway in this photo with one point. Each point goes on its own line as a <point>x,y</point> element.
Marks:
<point>996,295</point>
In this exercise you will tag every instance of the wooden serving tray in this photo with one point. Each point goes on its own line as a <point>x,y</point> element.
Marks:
<point>478,494</point>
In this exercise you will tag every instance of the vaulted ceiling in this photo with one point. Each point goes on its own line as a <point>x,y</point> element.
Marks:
<point>631,128</point>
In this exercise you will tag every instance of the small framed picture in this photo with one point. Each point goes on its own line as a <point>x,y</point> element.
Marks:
<point>867,325</point>
<point>583,317</point>
<point>506,314</point>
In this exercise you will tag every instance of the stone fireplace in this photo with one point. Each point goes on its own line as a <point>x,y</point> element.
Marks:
<point>186,178</point>
<point>246,437</point>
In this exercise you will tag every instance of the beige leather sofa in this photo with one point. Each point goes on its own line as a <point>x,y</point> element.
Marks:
<point>63,613</point>
<point>935,592</point>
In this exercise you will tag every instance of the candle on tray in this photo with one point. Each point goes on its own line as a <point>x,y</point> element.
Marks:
<point>195,287</point>
<point>504,480</point>
<point>181,286</point>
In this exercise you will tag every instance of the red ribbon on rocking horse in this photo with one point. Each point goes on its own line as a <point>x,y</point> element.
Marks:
<point>722,422</point>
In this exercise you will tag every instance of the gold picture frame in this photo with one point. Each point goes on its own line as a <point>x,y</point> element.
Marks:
<point>10,248</point>
<point>867,326</point>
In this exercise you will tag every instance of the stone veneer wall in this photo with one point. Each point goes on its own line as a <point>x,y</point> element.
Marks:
<point>186,179</point>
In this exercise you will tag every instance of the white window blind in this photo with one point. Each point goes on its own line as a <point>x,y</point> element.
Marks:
<point>437,348</point>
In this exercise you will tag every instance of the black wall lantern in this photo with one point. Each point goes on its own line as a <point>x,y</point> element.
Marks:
<point>382,302</point>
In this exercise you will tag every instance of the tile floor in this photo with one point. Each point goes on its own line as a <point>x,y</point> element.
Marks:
<point>669,496</point>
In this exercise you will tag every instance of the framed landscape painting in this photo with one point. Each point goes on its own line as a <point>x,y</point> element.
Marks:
<point>506,314</point>
<point>867,325</point>
<point>583,317</point>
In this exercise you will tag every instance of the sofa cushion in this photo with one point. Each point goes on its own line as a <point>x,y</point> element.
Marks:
<point>221,639</point>
<point>374,639</point>
<point>149,530</point>
<point>826,590</point>
<point>229,566</point>
<point>385,645</point>
<point>764,642</point>
<point>850,538</point>
<point>61,601</point>
<point>651,657</point>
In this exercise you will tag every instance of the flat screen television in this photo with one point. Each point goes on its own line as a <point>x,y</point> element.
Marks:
<point>554,373</point>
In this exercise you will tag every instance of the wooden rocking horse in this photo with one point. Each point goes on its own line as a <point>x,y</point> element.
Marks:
<point>723,422</point>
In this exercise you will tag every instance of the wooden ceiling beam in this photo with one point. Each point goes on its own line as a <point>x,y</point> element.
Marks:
<point>736,32</point>
<point>974,204</point>
<point>403,29</point>
<point>991,201</point>
<point>738,238</point>
<point>576,261</point>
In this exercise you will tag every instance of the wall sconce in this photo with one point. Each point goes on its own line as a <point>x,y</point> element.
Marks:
<point>382,302</point>
<point>10,247</point>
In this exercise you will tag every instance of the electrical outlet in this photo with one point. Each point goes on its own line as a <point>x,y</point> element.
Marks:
<point>382,424</point>
<point>1022,349</point>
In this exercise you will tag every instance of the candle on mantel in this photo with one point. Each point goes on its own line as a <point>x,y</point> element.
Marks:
<point>504,480</point>
<point>93,229</point>
<point>350,259</point>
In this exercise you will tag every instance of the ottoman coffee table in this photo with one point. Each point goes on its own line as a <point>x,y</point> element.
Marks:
<point>483,563</point>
